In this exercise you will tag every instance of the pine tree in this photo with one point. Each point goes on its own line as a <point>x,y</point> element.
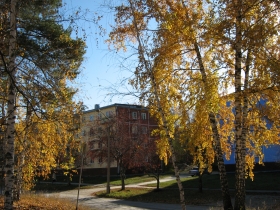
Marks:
<point>41,60</point>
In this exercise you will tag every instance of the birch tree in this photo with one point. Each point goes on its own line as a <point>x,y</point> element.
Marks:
<point>9,144</point>
<point>38,64</point>
<point>189,54</point>
<point>152,77</point>
<point>250,35</point>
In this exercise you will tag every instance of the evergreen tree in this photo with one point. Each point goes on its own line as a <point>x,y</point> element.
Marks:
<point>38,61</point>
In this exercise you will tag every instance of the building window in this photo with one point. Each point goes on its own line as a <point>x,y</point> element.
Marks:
<point>109,114</point>
<point>134,129</point>
<point>91,118</point>
<point>99,116</point>
<point>91,160</point>
<point>91,132</point>
<point>144,130</point>
<point>134,115</point>
<point>143,116</point>
<point>100,160</point>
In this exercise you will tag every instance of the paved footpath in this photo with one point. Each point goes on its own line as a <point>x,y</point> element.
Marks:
<point>86,198</point>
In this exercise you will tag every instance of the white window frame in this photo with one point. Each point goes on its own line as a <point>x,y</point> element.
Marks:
<point>143,116</point>
<point>91,118</point>
<point>134,115</point>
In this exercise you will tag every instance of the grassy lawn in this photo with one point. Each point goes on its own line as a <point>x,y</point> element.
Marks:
<point>166,195</point>
<point>262,181</point>
<point>115,181</point>
<point>169,190</point>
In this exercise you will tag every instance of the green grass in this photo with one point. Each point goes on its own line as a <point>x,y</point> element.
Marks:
<point>114,180</point>
<point>262,181</point>
<point>169,190</point>
<point>167,195</point>
<point>97,180</point>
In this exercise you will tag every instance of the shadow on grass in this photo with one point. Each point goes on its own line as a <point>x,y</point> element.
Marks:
<point>166,195</point>
<point>169,192</point>
<point>262,181</point>
<point>50,188</point>
<point>95,180</point>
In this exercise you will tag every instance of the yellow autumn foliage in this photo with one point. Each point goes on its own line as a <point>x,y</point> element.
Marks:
<point>43,142</point>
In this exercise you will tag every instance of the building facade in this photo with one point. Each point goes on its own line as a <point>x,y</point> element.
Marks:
<point>99,125</point>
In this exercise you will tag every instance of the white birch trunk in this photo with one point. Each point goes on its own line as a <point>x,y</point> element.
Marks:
<point>218,150</point>
<point>10,137</point>
<point>239,138</point>
<point>21,159</point>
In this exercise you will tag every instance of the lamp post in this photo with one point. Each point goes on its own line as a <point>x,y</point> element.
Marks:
<point>108,152</point>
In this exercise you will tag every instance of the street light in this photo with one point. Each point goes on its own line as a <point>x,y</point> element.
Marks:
<point>108,152</point>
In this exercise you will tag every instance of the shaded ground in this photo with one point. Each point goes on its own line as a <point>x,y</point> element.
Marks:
<point>165,199</point>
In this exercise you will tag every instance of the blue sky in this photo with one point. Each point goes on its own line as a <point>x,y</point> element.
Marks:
<point>101,68</point>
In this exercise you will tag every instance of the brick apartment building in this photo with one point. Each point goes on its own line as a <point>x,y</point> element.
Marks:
<point>137,121</point>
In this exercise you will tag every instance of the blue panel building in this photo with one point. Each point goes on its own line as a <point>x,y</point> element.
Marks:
<point>271,152</point>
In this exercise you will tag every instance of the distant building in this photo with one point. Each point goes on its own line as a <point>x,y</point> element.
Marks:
<point>271,152</point>
<point>138,119</point>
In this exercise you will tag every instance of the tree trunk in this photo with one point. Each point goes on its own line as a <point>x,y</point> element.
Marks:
<point>218,150</point>
<point>157,177</point>
<point>239,138</point>
<point>10,137</point>
<point>200,183</point>
<point>122,179</point>
<point>21,158</point>
<point>221,165</point>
